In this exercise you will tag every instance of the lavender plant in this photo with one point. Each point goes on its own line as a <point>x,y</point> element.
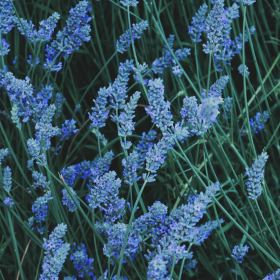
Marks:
<point>128,181</point>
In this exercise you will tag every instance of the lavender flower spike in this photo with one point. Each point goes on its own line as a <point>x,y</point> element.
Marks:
<point>198,24</point>
<point>125,40</point>
<point>255,175</point>
<point>239,252</point>
<point>55,254</point>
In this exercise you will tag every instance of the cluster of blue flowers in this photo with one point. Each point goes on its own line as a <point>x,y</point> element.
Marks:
<point>239,252</point>
<point>81,261</point>
<point>125,40</point>
<point>165,234</point>
<point>255,174</point>
<point>216,25</point>
<point>55,254</point>
<point>258,124</point>
<point>40,208</point>
<point>71,38</point>
<point>274,276</point>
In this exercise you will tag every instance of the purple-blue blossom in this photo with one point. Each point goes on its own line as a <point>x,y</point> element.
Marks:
<point>273,276</point>
<point>126,125</point>
<point>104,194</point>
<point>40,181</point>
<point>177,71</point>
<point>131,164</point>
<point>58,102</point>
<point>99,113</point>
<point>76,31</point>
<point>68,129</point>
<point>255,174</point>
<point>157,268</point>
<point>81,261</point>
<point>125,40</point>
<point>8,202</point>
<point>198,24</point>
<point>68,201</point>
<point>167,59</point>
<point>191,113</point>
<point>159,109</point>
<point>32,62</point>
<point>209,109</point>
<point>116,235</point>
<point>55,253</point>
<point>248,2</point>
<point>5,47</point>
<point>87,169</point>
<point>7,179</point>
<point>240,69</point>
<point>40,210</point>
<point>44,129</point>
<point>3,153</point>
<point>6,16</point>
<point>227,107</point>
<point>239,252</point>
<point>117,91</point>
<point>128,3</point>
<point>258,124</point>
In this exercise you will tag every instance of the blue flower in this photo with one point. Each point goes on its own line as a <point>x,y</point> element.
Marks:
<point>239,252</point>
<point>167,60</point>
<point>6,16</point>
<point>209,109</point>
<point>126,125</point>
<point>191,113</point>
<point>81,261</point>
<point>274,276</point>
<point>240,69</point>
<point>125,40</point>
<point>68,201</point>
<point>40,180</point>
<point>44,129</point>
<point>248,2</point>
<point>58,102</point>
<point>198,24</point>
<point>77,108</point>
<point>177,71</point>
<point>68,129</point>
<point>157,268</point>
<point>55,254</point>
<point>5,47</point>
<point>7,179</point>
<point>76,31</point>
<point>131,164</point>
<point>3,153</point>
<point>9,202</point>
<point>159,110</point>
<point>32,62</point>
<point>227,107</point>
<point>128,3</point>
<point>117,91</point>
<point>258,124</point>
<point>100,113</point>
<point>156,155</point>
<point>255,175</point>
<point>40,208</point>
<point>116,235</point>
<point>104,194</point>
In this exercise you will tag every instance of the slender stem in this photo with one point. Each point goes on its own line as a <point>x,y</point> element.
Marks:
<point>129,225</point>
<point>244,84</point>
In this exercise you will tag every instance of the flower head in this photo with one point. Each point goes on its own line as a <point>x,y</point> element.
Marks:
<point>255,175</point>
<point>239,252</point>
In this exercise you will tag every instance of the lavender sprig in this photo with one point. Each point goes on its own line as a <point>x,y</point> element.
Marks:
<point>255,175</point>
